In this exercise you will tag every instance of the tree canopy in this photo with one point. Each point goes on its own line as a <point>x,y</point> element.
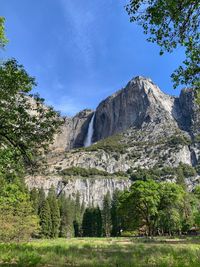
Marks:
<point>172,23</point>
<point>27,126</point>
<point>3,39</point>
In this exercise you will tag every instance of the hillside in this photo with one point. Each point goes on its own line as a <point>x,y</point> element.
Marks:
<point>137,127</point>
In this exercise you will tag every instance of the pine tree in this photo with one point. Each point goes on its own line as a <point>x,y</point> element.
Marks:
<point>41,198</point>
<point>34,196</point>
<point>64,218</point>
<point>116,222</point>
<point>106,215</point>
<point>87,223</point>
<point>55,213</point>
<point>45,219</point>
<point>77,216</point>
<point>98,222</point>
<point>66,206</point>
<point>92,222</point>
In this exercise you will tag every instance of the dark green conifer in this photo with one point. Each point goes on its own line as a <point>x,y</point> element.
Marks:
<point>34,196</point>
<point>45,219</point>
<point>106,215</point>
<point>115,218</point>
<point>55,213</point>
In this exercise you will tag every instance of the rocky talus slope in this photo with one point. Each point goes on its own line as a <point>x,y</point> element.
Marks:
<point>137,127</point>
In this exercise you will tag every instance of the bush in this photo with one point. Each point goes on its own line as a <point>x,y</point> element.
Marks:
<point>182,171</point>
<point>179,140</point>
<point>78,171</point>
<point>109,144</point>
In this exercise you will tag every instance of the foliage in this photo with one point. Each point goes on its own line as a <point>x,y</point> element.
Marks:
<point>179,140</point>
<point>55,213</point>
<point>109,144</point>
<point>16,214</point>
<point>27,126</point>
<point>3,39</point>
<point>154,207</point>
<point>180,172</point>
<point>45,220</point>
<point>92,222</point>
<point>115,218</point>
<point>106,215</point>
<point>170,24</point>
<point>171,203</point>
<point>78,171</point>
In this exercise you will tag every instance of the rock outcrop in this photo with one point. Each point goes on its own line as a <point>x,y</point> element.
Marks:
<point>73,132</point>
<point>140,102</point>
<point>90,190</point>
<point>137,127</point>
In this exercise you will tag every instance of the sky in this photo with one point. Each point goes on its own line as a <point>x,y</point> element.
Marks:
<point>80,52</point>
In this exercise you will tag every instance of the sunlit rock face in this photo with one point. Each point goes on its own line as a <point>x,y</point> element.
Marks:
<point>90,190</point>
<point>138,103</point>
<point>154,130</point>
<point>141,103</point>
<point>73,132</point>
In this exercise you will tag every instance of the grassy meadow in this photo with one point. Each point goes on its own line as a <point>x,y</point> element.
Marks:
<point>102,252</point>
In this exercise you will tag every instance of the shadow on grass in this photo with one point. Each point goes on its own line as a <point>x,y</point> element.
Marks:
<point>99,255</point>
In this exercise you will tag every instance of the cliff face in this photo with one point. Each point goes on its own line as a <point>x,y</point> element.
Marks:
<point>73,132</point>
<point>138,103</point>
<point>91,190</point>
<point>137,127</point>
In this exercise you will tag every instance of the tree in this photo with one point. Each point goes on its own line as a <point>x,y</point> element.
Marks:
<point>77,215</point>
<point>34,196</point>
<point>27,126</point>
<point>98,222</point>
<point>92,222</point>
<point>106,215</point>
<point>172,23</point>
<point>3,39</point>
<point>140,205</point>
<point>66,206</point>
<point>55,213</point>
<point>41,198</point>
<point>45,219</point>
<point>197,205</point>
<point>170,208</point>
<point>115,218</point>
<point>17,220</point>
<point>87,223</point>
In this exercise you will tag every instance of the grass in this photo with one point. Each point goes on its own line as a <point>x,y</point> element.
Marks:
<point>102,252</point>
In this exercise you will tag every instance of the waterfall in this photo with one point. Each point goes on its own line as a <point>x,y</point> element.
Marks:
<point>88,139</point>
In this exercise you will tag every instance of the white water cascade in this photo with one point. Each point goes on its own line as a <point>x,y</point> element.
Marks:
<point>88,139</point>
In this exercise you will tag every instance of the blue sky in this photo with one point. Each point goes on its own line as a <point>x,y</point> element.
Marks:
<point>82,51</point>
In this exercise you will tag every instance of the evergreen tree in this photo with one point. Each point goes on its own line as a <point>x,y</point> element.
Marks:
<point>106,215</point>
<point>92,222</point>
<point>66,206</point>
<point>97,222</point>
<point>41,198</point>
<point>34,196</point>
<point>55,213</point>
<point>87,223</point>
<point>77,216</point>
<point>45,219</point>
<point>116,222</point>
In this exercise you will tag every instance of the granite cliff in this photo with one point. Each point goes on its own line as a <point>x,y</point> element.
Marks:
<point>137,127</point>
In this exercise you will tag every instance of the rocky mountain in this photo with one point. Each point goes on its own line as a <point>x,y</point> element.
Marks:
<point>137,127</point>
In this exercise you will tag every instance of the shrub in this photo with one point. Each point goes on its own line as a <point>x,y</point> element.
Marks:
<point>179,140</point>
<point>78,171</point>
<point>109,144</point>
